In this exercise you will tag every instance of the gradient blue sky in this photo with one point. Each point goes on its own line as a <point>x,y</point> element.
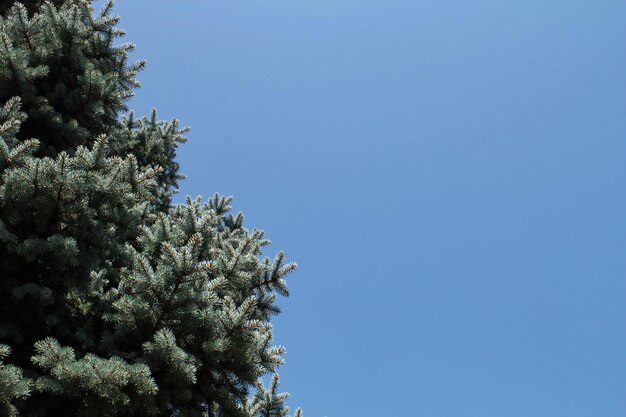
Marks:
<point>450,177</point>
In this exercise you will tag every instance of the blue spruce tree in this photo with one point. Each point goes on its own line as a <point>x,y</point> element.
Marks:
<point>113,300</point>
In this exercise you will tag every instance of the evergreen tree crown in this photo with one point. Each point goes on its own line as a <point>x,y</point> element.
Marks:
<point>114,301</point>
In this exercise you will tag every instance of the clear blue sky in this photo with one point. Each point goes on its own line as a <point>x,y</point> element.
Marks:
<point>450,177</point>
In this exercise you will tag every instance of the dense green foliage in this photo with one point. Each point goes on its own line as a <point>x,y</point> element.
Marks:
<point>113,300</point>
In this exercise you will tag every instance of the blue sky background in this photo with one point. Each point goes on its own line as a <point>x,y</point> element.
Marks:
<point>450,177</point>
